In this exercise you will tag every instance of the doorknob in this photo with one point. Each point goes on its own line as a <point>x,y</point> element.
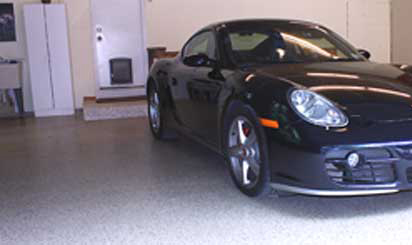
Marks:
<point>99,32</point>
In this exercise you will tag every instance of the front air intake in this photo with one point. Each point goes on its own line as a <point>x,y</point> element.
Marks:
<point>377,167</point>
<point>409,175</point>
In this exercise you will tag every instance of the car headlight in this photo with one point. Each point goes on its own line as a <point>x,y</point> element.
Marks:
<point>317,110</point>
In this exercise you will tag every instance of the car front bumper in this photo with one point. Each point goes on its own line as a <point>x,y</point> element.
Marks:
<point>323,170</point>
<point>333,193</point>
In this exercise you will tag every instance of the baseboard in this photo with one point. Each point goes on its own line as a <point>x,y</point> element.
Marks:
<point>54,112</point>
<point>90,98</point>
<point>17,116</point>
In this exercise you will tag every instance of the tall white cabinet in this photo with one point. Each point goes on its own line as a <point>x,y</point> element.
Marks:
<point>49,59</point>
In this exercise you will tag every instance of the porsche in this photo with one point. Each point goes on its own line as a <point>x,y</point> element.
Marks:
<point>291,106</point>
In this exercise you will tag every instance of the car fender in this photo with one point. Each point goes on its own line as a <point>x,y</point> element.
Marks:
<point>268,97</point>
<point>159,75</point>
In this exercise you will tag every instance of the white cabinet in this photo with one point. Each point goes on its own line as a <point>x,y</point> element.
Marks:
<point>49,59</point>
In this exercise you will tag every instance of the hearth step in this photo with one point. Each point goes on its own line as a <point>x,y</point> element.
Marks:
<point>93,111</point>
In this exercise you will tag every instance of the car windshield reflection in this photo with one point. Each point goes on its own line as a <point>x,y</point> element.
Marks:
<point>296,44</point>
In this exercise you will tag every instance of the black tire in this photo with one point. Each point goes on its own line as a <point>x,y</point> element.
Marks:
<point>159,130</point>
<point>262,187</point>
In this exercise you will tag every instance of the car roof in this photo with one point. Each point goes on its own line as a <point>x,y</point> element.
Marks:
<point>245,22</point>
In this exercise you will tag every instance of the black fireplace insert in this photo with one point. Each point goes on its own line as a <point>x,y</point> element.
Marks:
<point>121,71</point>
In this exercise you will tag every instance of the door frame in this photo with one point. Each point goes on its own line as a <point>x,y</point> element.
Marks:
<point>126,91</point>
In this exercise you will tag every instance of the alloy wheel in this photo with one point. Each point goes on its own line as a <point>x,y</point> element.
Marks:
<point>154,111</point>
<point>243,152</point>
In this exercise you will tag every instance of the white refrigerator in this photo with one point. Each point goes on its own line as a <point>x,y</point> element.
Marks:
<point>49,59</point>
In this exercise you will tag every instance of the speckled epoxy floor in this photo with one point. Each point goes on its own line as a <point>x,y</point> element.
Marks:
<point>64,181</point>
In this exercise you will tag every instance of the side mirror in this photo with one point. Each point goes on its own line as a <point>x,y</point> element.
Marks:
<point>199,60</point>
<point>365,53</point>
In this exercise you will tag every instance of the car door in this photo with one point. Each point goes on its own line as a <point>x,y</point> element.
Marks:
<point>204,90</point>
<point>189,86</point>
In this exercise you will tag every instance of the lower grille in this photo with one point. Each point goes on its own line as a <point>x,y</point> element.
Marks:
<point>409,175</point>
<point>370,171</point>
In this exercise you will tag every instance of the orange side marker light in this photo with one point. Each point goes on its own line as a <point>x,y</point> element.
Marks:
<point>269,123</point>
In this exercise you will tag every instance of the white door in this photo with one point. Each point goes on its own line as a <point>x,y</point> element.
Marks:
<point>119,33</point>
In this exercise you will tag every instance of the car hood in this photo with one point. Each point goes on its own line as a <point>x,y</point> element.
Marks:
<point>370,91</point>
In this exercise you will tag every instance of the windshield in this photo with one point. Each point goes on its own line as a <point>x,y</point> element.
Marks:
<point>287,44</point>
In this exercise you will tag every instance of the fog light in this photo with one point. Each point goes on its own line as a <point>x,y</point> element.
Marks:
<point>353,160</point>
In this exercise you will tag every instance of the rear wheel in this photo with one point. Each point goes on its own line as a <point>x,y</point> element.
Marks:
<point>246,152</point>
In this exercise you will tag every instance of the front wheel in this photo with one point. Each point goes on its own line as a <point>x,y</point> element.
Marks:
<point>246,152</point>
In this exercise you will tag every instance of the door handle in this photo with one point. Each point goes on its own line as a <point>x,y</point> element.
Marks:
<point>174,82</point>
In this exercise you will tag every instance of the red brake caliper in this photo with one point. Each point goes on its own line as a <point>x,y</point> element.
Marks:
<point>246,131</point>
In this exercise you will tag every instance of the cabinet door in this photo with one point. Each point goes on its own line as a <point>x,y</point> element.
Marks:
<point>38,57</point>
<point>57,33</point>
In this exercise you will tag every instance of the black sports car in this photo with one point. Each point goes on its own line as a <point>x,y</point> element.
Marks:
<point>291,106</point>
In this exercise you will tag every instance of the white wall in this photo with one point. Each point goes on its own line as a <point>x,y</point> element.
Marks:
<point>80,37</point>
<point>172,28</point>
<point>366,23</point>
<point>17,50</point>
<point>401,31</point>
<point>369,27</point>
<point>79,22</point>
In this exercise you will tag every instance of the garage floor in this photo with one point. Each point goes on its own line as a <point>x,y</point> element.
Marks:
<point>64,181</point>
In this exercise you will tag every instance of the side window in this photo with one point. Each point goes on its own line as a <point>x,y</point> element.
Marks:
<point>251,47</point>
<point>203,43</point>
<point>246,42</point>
